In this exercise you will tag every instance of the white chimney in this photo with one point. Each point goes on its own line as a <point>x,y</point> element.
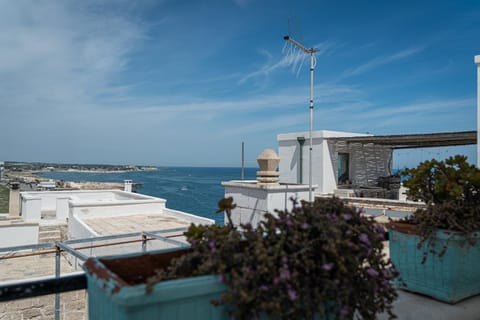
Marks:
<point>477,61</point>
<point>127,185</point>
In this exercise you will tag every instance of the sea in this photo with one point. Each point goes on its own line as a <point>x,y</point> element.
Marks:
<point>190,189</point>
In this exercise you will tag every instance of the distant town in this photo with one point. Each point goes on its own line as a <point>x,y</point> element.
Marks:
<point>11,166</point>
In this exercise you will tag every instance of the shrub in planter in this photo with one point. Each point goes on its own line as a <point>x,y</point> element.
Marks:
<point>321,259</point>
<point>450,222</point>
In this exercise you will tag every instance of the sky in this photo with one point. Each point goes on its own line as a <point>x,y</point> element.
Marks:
<point>184,83</point>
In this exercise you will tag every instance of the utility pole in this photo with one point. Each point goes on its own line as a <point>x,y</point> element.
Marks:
<point>311,52</point>
<point>243,161</point>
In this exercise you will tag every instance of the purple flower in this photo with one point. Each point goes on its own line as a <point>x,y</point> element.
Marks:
<point>292,294</point>
<point>284,274</point>
<point>284,259</point>
<point>387,273</point>
<point>327,266</point>
<point>264,287</point>
<point>347,216</point>
<point>211,244</point>
<point>247,269</point>
<point>380,230</point>
<point>220,278</point>
<point>372,272</point>
<point>363,237</point>
<point>344,311</point>
<point>332,217</point>
<point>289,222</point>
<point>305,226</point>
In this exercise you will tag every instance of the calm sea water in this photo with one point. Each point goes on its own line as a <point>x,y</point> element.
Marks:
<point>192,190</point>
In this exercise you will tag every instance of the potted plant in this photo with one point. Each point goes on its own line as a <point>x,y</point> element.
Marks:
<point>321,260</point>
<point>435,250</point>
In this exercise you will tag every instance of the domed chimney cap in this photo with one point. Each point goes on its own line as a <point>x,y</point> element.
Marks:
<point>268,162</point>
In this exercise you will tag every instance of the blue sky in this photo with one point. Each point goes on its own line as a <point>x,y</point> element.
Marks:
<point>185,82</point>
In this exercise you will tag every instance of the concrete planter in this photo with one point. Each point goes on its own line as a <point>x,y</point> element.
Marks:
<point>453,277</point>
<point>116,290</point>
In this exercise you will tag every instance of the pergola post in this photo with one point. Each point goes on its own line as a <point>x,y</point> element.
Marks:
<point>477,61</point>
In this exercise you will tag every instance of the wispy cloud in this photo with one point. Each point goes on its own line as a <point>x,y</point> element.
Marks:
<point>441,115</point>
<point>381,61</point>
<point>326,94</point>
<point>290,59</point>
<point>59,55</point>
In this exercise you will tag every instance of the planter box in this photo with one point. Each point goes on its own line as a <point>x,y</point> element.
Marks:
<point>450,278</point>
<point>116,290</point>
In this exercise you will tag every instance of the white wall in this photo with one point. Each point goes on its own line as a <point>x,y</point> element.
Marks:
<point>18,234</point>
<point>477,61</point>
<point>77,229</point>
<point>323,171</point>
<point>115,208</point>
<point>31,207</point>
<point>102,201</point>
<point>254,201</point>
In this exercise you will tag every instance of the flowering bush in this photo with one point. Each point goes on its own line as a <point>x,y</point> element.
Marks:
<point>451,190</point>
<point>321,258</point>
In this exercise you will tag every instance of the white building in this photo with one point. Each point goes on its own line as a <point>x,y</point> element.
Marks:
<point>345,163</point>
<point>47,216</point>
<point>334,162</point>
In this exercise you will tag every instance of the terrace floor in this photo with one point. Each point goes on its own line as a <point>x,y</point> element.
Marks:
<point>134,223</point>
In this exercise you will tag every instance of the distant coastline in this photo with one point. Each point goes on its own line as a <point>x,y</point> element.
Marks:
<point>30,173</point>
<point>100,170</point>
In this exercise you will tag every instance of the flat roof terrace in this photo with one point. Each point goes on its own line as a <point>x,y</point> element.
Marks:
<point>134,223</point>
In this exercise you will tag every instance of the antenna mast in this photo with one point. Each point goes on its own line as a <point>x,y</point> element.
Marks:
<point>311,52</point>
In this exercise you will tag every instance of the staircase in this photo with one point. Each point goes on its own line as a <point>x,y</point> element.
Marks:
<point>51,233</point>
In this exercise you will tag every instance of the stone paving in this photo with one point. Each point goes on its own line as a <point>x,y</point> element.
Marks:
<point>134,223</point>
<point>72,304</point>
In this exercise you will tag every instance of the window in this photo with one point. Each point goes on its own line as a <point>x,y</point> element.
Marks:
<point>343,168</point>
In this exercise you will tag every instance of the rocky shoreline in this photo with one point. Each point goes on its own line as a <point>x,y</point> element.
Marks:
<point>31,177</point>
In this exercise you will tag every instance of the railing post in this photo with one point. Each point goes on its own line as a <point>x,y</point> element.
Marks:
<point>57,275</point>
<point>144,242</point>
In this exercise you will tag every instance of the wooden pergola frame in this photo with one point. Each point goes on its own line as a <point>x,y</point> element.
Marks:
<point>412,141</point>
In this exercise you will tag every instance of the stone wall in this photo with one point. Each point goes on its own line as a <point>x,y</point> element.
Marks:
<point>367,161</point>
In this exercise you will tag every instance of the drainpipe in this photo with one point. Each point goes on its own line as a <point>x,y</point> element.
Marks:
<point>301,141</point>
<point>477,62</point>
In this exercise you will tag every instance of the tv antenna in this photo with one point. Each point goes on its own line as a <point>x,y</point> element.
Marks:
<point>293,56</point>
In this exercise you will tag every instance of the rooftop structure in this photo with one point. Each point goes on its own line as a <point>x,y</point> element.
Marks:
<point>350,163</point>
<point>266,194</point>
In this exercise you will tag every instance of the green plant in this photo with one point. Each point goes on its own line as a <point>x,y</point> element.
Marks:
<point>321,258</point>
<point>451,190</point>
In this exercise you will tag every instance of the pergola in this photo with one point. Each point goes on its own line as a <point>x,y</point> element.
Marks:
<point>411,141</point>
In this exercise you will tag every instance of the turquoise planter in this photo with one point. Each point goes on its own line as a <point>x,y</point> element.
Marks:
<point>116,291</point>
<point>450,278</point>
<point>111,297</point>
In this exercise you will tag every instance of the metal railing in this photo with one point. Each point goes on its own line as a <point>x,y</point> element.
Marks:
<point>56,284</point>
